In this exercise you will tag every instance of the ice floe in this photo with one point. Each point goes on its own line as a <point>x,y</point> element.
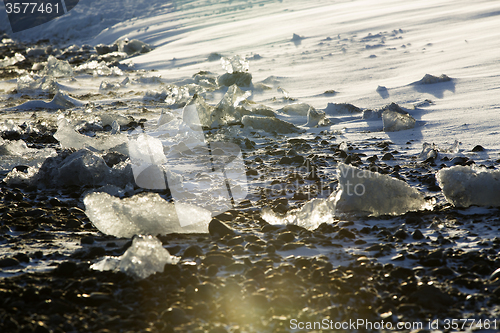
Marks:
<point>372,193</point>
<point>143,258</point>
<point>145,213</point>
<point>464,186</point>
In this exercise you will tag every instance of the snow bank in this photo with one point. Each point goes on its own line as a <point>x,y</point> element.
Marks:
<point>464,186</point>
<point>145,213</point>
<point>363,191</point>
<point>143,258</point>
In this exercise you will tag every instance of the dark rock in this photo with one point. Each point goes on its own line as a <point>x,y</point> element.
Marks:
<point>346,233</point>
<point>218,260</point>
<point>65,269</point>
<point>286,237</point>
<point>22,257</point>
<point>87,240</point>
<point>401,234</point>
<point>459,160</point>
<point>285,160</point>
<point>192,252</point>
<point>478,148</point>
<point>387,157</point>
<point>8,262</point>
<point>219,229</point>
<point>401,273</point>
<point>417,235</point>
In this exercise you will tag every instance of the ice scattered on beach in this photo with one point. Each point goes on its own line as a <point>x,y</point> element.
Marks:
<point>372,193</point>
<point>464,186</point>
<point>9,61</point>
<point>316,118</point>
<point>145,213</point>
<point>234,64</point>
<point>143,258</point>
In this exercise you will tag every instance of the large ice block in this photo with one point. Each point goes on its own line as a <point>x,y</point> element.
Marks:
<point>57,68</point>
<point>145,213</point>
<point>372,193</point>
<point>464,186</point>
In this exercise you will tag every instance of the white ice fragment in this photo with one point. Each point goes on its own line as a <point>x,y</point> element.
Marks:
<point>115,127</point>
<point>464,186</point>
<point>454,149</point>
<point>68,137</point>
<point>317,118</point>
<point>10,126</point>
<point>133,46</point>
<point>57,68</point>
<point>300,109</point>
<point>97,68</point>
<point>18,57</point>
<point>225,112</point>
<point>269,124</point>
<point>14,147</point>
<point>143,258</point>
<point>309,216</point>
<point>60,101</point>
<point>372,193</point>
<point>145,213</point>
<point>394,121</point>
<point>31,82</point>
<point>428,151</point>
<point>235,64</point>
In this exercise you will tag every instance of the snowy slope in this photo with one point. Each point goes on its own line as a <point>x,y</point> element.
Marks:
<point>348,46</point>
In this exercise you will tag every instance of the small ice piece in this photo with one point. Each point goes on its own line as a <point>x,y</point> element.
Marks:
<point>336,109</point>
<point>285,93</point>
<point>464,186</point>
<point>225,112</point>
<point>309,216</point>
<point>14,147</point>
<point>9,126</point>
<point>68,137</point>
<point>115,127</point>
<point>269,124</point>
<point>197,113</point>
<point>145,213</point>
<point>428,151</point>
<point>430,79</point>
<point>60,101</point>
<point>133,46</point>
<point>30,82</point>
<point>394,121</point>
<point>234,64</point>
<point>317,118</point>
<point>143,258</point>
<point>57,68</point>
<point>381,89</point>
<point>343,146</point>
<point>18,57</point>
<point>372,193</point>
<point>300,109</point>
<point>454,149</point>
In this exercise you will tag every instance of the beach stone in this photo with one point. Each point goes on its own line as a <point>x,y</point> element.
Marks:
<point>8,262</point>
<point>478,148</point>
<point>219,229</point>
<point>346,233</point>
<point>193,251</point>
<point>417,235</point>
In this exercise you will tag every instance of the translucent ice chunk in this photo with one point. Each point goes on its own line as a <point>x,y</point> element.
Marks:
<point>30,82</point>
<point>132,46</point>
<point>10,126</point>
<point>300,109</point>
<point>428,151</point>
<point>234,64</point>
<point>430,79</point>
<point>225,112</point>
<point>394,121</point>
<point>197,112</point>
<point>316,118</point>
<point>310,216</point>
<point>269,124</point>
<point>9,61</point>
<point>57,68</point>
<point>145,213</point>
<point>366,192</point>
<point>143,258</point>
<point>68,137</point>
<point>464,186</point>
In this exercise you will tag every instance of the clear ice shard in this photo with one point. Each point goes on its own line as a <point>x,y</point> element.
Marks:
<point>234,64</point>
<point>145,213</point>
<point>300,109</point>
<point>395,121</point>
<point>464,186</point>
<point>269,124</point>
<point>309,216</point>
<point>225,112</point>
<point>371,193</point>
<point>57,68</point>
<point>146,256</point>
<point>68,137</point>
<point>316,118</point>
